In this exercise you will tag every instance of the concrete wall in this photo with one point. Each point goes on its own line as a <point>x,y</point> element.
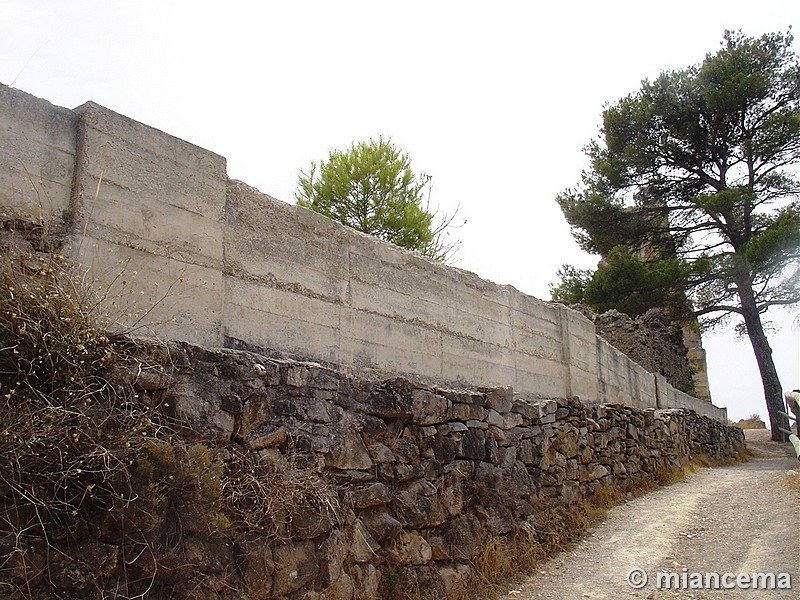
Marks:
<point>159,224</point>
<point>158,211</point>
<point>37,154</point>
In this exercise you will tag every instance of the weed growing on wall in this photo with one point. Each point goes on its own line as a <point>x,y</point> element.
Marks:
<point>271,498</point>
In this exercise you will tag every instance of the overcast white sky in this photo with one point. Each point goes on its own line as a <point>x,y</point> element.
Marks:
<point>494,100</point>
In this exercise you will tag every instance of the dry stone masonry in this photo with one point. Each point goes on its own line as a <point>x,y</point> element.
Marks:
<point>424,476</point>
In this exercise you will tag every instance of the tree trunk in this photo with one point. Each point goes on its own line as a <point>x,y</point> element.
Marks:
<point>773,394</point>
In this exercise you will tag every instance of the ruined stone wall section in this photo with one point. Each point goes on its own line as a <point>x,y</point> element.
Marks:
<point>697,360</point>
<point>158,224</point>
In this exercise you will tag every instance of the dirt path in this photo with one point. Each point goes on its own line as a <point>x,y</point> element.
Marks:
<point>739,519</point>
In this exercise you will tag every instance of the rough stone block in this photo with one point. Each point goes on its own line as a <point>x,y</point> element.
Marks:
<point>500,399</point>
<point>363,547</point>
<point>512,420</point>
<point>495,418</point>
<point>341,589</point>
<point>350,454</point>
<point>417,505</point>
<point>410,548</point>
<point>366,579</point>
<point>526,408</point>
<point>429,408</point>
<point>444,448</point>
<point>381,525</point>
<point>371,495</point>
<point>295,566</point>
<point>452,427</point>
<point>461,412</point>
<point>472,446</point>
<point>570,491</point>
<point>380,453</point>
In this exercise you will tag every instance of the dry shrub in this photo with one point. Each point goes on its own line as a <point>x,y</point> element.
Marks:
<point>555,528</point>
<point>753,421</point>
<point>266,497</point>
<point>88,464</point>
<point>700,461</point>
<point>67,431</point>
<point>181,484</point>
<point>494,563</point>
<point>606,496</point>
<point>792,481</point>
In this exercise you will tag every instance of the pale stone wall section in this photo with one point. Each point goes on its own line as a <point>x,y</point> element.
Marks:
<point>157,222</point>
<point>697,358</point>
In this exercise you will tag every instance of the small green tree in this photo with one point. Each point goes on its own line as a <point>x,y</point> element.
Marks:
<point>626,283</point>
<point>572,284</point>
<point>371,187</point>
<point>700,165</point>
<point>631,285</point>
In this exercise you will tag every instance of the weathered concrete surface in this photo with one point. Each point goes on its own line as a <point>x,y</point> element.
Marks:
<point>179,251</point>
<point>37,155</point>
<point>621,379</point>
<point>145,202</point>
<point>669,397</point>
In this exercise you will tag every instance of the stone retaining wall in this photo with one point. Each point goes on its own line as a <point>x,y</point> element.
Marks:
<point>425,476</point>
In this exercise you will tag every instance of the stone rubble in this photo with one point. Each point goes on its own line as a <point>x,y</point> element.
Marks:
<point>651,340</point>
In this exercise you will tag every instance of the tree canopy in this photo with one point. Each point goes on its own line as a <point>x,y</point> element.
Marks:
<point>699,167</point>
<point>631,285</point>
<point>625,282</point>
<point>371,187</point>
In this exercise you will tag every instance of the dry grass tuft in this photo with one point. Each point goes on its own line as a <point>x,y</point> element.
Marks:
<point>556,528</point>
<point>754,421</point>
<point>792,480</point>
<point>606,496</point>
<point>494,563</point>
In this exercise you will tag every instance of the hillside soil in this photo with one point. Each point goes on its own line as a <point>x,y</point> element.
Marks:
<point>738,519</point>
